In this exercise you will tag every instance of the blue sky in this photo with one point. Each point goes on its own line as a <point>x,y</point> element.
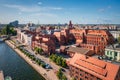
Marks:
<point>60,11</point>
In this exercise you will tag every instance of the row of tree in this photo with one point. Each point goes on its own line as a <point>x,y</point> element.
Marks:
<point>32,57</point>
<point>58,60</point>
<point>8,30</point>
<point>60,75</point>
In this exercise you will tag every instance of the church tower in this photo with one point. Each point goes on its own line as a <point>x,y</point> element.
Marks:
<point>70,24</point>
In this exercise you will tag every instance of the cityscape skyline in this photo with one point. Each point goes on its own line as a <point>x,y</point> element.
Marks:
<point>60,11</point>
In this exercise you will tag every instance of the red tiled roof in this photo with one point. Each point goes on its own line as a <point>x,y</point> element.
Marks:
<point>98,68</point>
<point>92,67</point>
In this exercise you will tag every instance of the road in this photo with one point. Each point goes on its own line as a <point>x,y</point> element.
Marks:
<point>47,60</point>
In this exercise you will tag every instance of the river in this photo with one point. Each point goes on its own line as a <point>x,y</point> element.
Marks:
<point>13,65</point>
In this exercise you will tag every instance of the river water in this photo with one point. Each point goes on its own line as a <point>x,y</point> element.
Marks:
<point>13,65</point>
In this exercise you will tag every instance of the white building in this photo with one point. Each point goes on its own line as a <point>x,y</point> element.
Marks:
<point>113,52</point>
<point>30,26</point>
<point>25,37</point>
<point>115,34</point>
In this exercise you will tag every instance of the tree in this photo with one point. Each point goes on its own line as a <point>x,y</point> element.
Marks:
<point>3,31</point>
<point>59,60</point>
<point>64,77</point>
<point>38,50</point>
<point>73,79</point>
<point>64,63</point>
<point>59,74</point>
<point>118,39</point>
<point>8,30</point>
<point>54,57</point>
<point>12,31</point>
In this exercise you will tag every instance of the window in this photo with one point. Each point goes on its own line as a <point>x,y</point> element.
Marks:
<point>110,53</point>
<point>80,74</point>
<point>115,53</point>
<point>107,52</point>
<point>80,78</point>
<point>86,77</point>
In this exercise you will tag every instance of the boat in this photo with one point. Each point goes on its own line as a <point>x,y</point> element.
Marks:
<point>8,78</point>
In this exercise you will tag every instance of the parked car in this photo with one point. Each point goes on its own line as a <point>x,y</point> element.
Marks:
<point>48,66</point>
<point>62,69</point>
<point>100,57</point>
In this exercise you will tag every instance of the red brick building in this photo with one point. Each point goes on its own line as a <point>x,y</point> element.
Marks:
<point>63,37</point>
<point>46,42</point>
<point>95,40</point>
<point>83,67</point>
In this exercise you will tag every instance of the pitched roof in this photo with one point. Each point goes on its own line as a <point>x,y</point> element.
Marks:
<point>98,68</point>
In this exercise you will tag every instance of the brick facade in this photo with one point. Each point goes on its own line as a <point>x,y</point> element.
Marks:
<point>95,40</point>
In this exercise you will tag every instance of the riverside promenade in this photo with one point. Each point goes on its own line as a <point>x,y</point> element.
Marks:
<point>48,75</point>
<point>1,75</point>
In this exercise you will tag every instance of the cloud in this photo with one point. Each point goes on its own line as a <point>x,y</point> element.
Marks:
<point>109,7</point>
<point>31,8</point>
<point>44,14</point>
<point>23,8</point>
<point>39,3</point>
<point>19,13</point>
<point>103,20</point>
<point>101,10</point>
<point>104,9</point>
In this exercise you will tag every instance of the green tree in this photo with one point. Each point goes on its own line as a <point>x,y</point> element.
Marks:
<point>64,77</point>
<point>8,30</point>
<point>54,58</point>
<point>59,60</point>
<point>59,74</point>
<point>118,39</point>
<point>73,79</point>
<point>38,50</point>
<point>51,56</point>
<point>64,63</point>
<point>12,31</point>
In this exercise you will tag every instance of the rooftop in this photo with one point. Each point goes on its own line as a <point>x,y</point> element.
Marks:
<point>114,47</point>
<point>98,68</point>
<point>78,50</point>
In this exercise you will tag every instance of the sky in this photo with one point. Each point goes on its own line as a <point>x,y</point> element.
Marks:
<point>60,11</point>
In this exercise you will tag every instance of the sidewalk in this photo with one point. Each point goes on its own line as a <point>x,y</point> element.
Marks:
<point>48,75</point>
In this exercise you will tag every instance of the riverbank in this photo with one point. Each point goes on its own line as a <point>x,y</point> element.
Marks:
<point>48,75</point>
<point>1,75</point>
